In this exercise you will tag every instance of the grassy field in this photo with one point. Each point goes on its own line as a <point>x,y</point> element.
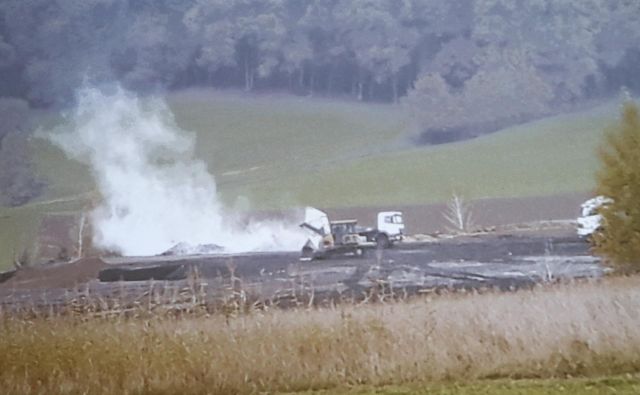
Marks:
<point>255,140</point>
<point>281,151</point>
<point>548,157</point>
<point>338,155</point>
<point>552,339</point>
<point>19,227</point>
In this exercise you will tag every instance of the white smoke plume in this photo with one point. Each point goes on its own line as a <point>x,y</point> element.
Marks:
<point>155,193</point>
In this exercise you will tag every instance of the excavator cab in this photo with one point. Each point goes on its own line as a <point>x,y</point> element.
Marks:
<point>328,239</point>
<point>344,232</point>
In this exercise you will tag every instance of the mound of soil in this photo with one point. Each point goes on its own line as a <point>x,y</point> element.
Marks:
<point>58,275</point>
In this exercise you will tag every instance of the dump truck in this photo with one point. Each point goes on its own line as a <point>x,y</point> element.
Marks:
<point>345,238</point>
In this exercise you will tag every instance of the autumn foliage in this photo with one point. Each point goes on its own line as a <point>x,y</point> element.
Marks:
<point>619,179</point>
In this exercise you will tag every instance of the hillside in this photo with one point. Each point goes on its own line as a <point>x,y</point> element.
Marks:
<point>548,157</point>
<point>282,151</point>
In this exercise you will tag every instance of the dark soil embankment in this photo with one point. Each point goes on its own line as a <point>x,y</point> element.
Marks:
<point>59,275</point>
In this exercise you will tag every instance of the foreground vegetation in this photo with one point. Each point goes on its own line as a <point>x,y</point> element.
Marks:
<point>445,342</point>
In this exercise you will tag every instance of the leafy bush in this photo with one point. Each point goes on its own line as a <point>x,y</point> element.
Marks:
<point>619,179</point>
<point>505,90</point>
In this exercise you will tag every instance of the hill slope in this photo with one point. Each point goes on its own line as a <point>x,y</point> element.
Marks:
<point>279,152</point>
<point>283,151</point>
<point>548,157</point>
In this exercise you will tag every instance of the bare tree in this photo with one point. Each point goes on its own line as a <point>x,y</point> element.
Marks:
<point>458,215</point>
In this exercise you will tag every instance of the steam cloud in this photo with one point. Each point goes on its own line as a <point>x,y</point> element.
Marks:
<point>155,193</point>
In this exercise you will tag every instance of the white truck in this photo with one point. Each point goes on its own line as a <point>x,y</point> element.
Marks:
<point>345,237</point>
<point>390,229</point>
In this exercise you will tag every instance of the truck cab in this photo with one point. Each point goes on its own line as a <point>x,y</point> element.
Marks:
<point>390,228</point>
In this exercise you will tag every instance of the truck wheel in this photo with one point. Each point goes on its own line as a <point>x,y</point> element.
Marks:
<point>382,241</point>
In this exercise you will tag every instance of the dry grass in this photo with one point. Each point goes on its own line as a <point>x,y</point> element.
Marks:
<point>580,329</point>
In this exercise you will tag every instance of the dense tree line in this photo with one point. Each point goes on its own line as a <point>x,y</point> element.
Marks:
<point>468,58</point>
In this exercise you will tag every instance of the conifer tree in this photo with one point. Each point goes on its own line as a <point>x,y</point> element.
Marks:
<point>619,179</point>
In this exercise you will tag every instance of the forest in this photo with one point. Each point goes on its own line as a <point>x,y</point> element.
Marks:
<point>454,65</point>
<point>541,52</point>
